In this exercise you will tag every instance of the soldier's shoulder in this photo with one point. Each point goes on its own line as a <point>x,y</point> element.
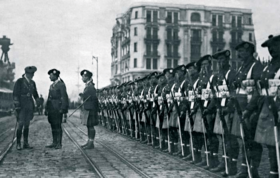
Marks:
<point>60,84</point>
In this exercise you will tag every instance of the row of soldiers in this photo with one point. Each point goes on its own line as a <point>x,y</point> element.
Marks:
<point>187,109</point>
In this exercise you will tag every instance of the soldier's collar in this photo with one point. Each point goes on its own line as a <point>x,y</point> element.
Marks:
<point>55,82</point>
<point>26,78</point>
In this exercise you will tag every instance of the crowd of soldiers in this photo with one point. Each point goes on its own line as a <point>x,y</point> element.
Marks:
<point>190,108</point>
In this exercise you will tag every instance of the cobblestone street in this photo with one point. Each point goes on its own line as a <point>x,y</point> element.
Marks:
<point>69,161</point>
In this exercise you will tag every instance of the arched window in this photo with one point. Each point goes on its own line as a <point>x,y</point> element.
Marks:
<point>195,17</point>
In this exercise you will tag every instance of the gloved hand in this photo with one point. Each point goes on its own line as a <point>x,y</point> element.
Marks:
<point>64,118</point>
<point>192,113</point>
<point>205,112</point>
<point>245,116</point>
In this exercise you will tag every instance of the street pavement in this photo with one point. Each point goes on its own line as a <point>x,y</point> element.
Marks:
<point>69,161</point>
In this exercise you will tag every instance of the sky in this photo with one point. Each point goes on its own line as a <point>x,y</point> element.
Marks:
<point>65,34</point>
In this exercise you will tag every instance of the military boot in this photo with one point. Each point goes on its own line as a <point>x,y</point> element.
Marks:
<point>219,168</point>
<point>19,132</point>
<point>243,173</point>
<point>59,140</point>
<point>54,140</point>
<point>90,145</point>
<point>25,139</point>
<point>197,157</point>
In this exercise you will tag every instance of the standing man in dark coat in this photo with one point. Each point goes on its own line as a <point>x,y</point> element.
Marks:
<point>56,107</point>
<point>24,91</point>
<point>90,108</point>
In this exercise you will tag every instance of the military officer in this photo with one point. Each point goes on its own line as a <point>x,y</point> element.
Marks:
<point>56,107</point>
<point>267,122</point>
<point>90,107</point>
<point>23,93</point>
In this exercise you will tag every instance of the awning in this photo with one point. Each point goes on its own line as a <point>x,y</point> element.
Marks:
<point>5,90</point>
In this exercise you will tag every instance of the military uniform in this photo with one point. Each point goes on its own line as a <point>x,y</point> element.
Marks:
<point>90,108</point>
<point>269,104</point>
<point>224,116</point>
<point>56,106</point>
<point>23,93</point>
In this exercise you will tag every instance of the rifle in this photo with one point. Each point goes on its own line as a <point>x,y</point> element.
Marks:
<point>79,107</point>
<point>201,108</point>
<point>179,123</point>
<point>239,112</point>
<point>114,114</point>
<point>168,137</point>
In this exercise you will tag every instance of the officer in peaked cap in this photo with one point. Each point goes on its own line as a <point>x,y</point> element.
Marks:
<point>267,121</point>
<point>23,93</point>
<point>56,106</point>
<point>90,108</point>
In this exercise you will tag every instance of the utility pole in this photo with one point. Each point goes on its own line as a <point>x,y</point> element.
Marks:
<point>78,85</point>
<point>96,58</point>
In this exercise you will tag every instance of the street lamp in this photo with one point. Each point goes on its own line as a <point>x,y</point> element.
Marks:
<point>96,58</point>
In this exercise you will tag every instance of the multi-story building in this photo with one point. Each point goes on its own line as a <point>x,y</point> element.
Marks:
<point>153,36</point>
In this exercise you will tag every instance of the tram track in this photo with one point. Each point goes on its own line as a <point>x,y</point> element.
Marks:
<point>156,150</point>
<point>111,151</point>
<point>9,146</point>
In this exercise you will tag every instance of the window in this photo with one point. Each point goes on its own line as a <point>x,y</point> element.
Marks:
<point>169,35</point>
<point>136,14</point>
<point>175,63</point>
<point>175,35</point>
<point>135,47</point>
<point>175,50</point>
<point>149,33</point>
<point>220,20</point>
<point>250,37</point>
<point>233,22</point>
<point>169,17</point>
<point>148,63</point>
<point>239,21</point>
<point>155,49</point>
<point>155,63</point>
<point>155,36</point>
<point>196,35</point>
<point>233,37</point>
<point>148,49</point>
<point>214,36</point>
<point>116,71</point>
<point>149,16</point>
<point>176,17</point>
<point>250,21</point>
<point>214,20</point>
<point>155,16</point>
<point>169,50</point>
<point>195,17</point>
<point>221,34</point>
<point>135,31</point>
<point>239,36</point>
<point>135,62</point>
<point>169,63</point>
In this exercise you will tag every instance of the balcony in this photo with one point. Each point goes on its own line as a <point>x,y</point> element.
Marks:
<point>173,55</point>
<point>218,42</point>
<point>152,39</point>
<point>125,56</point>
<point>173,41</point>
<point>151,54</point>
<point>125,41</point>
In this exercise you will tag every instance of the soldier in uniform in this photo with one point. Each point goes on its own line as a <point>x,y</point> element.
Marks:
<point>205,113</point>
<point>40,105</point>
<point>180,106</point>
<point>168,127</point>
<point>90,107</point>
<point>224,117</point>
<point>245,85</point>
<point>191,76</point>
<point>268,104</point>
<point>56,107</point>
<point>23,93</point>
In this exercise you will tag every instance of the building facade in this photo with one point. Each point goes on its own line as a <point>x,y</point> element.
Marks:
<point>153,36</point>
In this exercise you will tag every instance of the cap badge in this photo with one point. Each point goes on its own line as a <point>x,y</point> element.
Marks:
<point>246,45</point>
<point>227,53</point>
<point>54,72</point>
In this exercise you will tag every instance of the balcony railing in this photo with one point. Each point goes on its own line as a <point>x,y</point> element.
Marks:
<point>126,56</point>
<point>152,39</point>
<point>125,41</point>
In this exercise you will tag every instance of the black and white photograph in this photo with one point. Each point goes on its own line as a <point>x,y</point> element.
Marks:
<point>139,88</point>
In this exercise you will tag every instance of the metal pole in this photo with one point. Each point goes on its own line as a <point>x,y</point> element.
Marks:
<point>97,72</point>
